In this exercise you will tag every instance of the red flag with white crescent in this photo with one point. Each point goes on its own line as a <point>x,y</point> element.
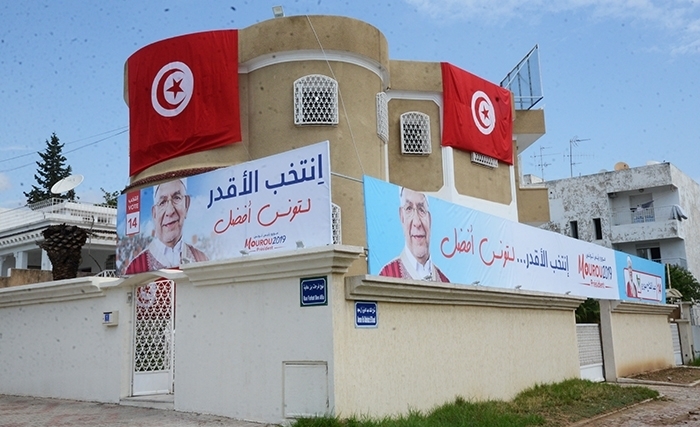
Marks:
<point>477,114</point>
<point>183,97</point>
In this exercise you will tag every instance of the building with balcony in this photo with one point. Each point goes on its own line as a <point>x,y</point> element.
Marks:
<point>650,211</point>
<point>21,232</point>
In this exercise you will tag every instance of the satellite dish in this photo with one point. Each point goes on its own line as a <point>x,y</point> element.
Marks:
<point>621,166</point>
<point>652,162</point>
<point>67,184</point>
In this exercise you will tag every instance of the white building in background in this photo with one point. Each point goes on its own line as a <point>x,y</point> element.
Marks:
<point>650,211</point>
<point>21,231</point>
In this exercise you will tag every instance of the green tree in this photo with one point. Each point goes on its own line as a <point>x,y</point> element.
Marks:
<point>680,278</point>
<point>51,169</point>
<point>588,311</point>
<point>110,198</point>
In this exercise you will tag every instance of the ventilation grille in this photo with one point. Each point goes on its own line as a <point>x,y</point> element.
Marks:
<point>484,160</point>
<point>383,116</point>
<point>335,224</point>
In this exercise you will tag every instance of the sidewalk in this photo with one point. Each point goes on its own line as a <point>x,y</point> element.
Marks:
<point>18,411</point>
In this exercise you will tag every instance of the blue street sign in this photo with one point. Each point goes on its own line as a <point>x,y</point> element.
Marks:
<point>365,314</point>
<point>313,291</point>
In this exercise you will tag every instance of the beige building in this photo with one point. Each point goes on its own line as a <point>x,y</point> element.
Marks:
<point>281,59</point>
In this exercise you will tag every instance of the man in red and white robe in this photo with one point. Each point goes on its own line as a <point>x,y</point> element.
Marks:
<point>414,261</point>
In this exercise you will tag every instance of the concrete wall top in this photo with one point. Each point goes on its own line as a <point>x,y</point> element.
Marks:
<point>294,33</point>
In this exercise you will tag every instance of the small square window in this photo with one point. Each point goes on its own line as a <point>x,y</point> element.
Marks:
<point>415,133</point>
<point>315,100</point>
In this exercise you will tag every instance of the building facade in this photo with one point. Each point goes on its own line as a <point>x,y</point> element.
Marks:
<point>650,211</point>
<point>21,232</point>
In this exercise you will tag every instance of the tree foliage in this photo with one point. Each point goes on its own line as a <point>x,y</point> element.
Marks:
<point>50,170</point>
<point>110,197</point>
<point>588,311</point>
<point>680,278</point>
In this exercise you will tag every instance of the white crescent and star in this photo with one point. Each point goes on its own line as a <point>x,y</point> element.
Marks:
<point>483,113</point>
<point>172,89</point>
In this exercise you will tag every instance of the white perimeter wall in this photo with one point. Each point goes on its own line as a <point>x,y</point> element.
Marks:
<point>238,324</point>
<point>53,342</point>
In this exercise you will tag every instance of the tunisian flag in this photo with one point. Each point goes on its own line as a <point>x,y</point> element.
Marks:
<point>477,114</point>
<point>183,97</point>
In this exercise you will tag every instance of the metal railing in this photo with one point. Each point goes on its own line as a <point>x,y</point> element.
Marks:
<point>59,210</point>
<point>642,215</point>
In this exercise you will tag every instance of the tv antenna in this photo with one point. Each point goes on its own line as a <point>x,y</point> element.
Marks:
<point>573,142</point>
<point>541,163</point>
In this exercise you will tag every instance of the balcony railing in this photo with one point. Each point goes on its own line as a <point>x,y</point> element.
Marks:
<point>681,262</point>
<point>642,215</point>
<point>59,210</point>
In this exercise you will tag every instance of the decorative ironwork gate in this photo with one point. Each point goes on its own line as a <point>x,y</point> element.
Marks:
<point>154,319</point>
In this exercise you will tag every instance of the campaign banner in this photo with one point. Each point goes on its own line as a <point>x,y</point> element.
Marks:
<point>640,279</point>
<point>262,205</point>
<point>415,236</point>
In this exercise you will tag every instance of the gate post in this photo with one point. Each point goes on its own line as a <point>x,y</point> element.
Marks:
<point>606,339</point>
<point>685,332</point>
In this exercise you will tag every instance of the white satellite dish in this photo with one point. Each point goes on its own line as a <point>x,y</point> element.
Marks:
<point>67,184</point>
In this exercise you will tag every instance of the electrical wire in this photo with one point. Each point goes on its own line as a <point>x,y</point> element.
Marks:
<point>340,95</point>
<point>68,151</point>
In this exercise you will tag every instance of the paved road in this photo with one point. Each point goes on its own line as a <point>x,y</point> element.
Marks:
<point>16,411</point>
<point>679,407</point>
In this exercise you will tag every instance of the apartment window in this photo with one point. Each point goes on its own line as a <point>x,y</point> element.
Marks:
<point>574,229</point>
<point>598,229</point>
<point>652,253</point>
<point>415,133</point>
<point>315,100</point>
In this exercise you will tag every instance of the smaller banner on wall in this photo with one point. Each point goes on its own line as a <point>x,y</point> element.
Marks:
<point>415,236</point>
<point>275,203</point>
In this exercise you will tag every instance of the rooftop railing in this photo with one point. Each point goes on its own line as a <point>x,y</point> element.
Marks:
<point>59,210</point>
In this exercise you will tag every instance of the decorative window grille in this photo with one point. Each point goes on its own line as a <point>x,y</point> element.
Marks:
<point>415,133</point>
<point>483,159</point>
<point>315,100</point>
<point>335,224</point>
<point>154,326</point>
<point>383,116</point>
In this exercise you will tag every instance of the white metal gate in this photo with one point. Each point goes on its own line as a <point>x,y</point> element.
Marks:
<point>590,352</point>
<point>154,318</point>
<point>676,338</point>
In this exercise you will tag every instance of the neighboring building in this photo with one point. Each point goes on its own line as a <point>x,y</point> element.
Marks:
<point>650,211</point>
<point>21,232</point>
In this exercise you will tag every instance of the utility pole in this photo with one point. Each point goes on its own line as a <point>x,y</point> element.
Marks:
<point>573,142</point>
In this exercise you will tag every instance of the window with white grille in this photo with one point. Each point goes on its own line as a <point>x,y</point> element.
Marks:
<point>383,116</point>
<point>415,133</point>
<point>315,100</point>
<point>484,160</point>
<point>335,224</point>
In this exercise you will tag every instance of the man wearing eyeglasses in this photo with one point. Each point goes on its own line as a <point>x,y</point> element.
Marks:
<point>167,250</point>
<point>414,261</point>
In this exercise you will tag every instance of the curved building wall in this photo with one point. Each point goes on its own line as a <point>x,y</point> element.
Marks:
<point>275,53</point>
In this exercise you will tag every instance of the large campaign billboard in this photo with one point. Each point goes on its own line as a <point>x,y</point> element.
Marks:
<point>412,235</point>
<point>262,205</point>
